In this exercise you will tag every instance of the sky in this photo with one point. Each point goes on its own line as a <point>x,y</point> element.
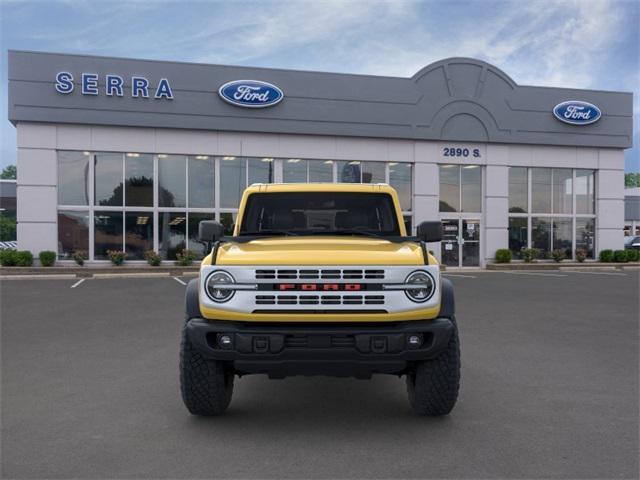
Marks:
<point>562,43</point>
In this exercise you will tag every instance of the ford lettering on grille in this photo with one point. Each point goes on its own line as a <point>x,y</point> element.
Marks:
<point>326,287</point>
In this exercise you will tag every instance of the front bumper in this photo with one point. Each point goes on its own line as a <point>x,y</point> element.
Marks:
<point>341,350</point>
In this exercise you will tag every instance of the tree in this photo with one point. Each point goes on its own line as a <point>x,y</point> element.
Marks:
<point>9,172</point>
<point>632,180</point>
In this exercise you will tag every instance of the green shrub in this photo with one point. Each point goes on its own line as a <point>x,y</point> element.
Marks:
<point>47,258</point>
<point>185,258</point>
<point>581,254</point>
<point>633,255</point>
<point>620,256</point>
<point>117,257</point>
<point>606,256</point>
<point>529,254</point>
<point>8,258</point>
<point>80,256</point>
<point>558,255</point>
<point>152,258</point>
<point>24,258</point>
<point>503,255</point>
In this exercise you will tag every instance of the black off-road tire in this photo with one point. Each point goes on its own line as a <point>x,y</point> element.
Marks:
<point>206,385</point>
<point>433,384</point>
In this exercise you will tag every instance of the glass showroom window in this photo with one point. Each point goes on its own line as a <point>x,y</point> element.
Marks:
<point>107,232</point>
<point>73,178</point>
<point>201,173</point>
<point>296,170</point>
<point>138,176</point>
<point>138,234</point>
<point>108,174</point>
<point>73,233</point>
<point>551,209</point>
<point>460,188</point>
<point>172,181</point>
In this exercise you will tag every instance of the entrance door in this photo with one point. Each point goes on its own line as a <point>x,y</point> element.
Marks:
<point>460,242</point>
<point>450,244</point>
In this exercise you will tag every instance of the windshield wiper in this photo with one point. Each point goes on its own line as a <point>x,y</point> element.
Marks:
<point>268,232</point>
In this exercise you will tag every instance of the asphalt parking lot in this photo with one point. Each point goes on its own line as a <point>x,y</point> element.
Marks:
<point>549,390</point>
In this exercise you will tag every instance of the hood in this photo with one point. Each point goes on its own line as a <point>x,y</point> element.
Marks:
<point>320,251</point>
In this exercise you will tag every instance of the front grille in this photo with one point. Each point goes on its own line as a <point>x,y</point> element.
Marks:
<point>319,299</point>
<point>319,274</point>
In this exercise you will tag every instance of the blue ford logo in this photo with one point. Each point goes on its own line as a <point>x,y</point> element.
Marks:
<point>250,93</point>
<point>576,112</point>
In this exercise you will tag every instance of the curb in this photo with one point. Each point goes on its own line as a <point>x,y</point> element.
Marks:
<point>561,266</point>
<point>23,273</point>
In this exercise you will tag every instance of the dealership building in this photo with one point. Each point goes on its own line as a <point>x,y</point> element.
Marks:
<point>124,154</point>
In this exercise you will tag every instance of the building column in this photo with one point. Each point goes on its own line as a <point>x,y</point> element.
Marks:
<point>496,203</point>
<point>610,200</point>
<point>36,192</point>
<point>426,188</point>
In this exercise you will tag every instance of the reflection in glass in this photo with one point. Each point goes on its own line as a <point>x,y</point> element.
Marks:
<point>349,172</point>
<point>172,234</point>
<point>294,170</point>
<point>73,232</point>
<point>260,170</point>
<point>562,235</point>
<point>400,178</point>
<point>373,172</point>
<point>585,191</point>
<point>232,181</point>
<point>585,235</point>
<point>108,233</point>
<point>471,188</point>
<point>408,224</point>
<point>108,173</point>
<point>541,190</point>
<point>201,181</point>
<point>172,181</point>
<point>320,170</point>
<point>541,235</point>
<point>517,236</point>
<point>518,190</point>
<point>200,249</point>
<point>138,177</point>
<point>449,188</point>
<point>138,234</point>
<point>562,190</point>
<point>73,178</point>
<point>228,220</point>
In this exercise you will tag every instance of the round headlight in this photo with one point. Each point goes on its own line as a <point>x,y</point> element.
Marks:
<point>425,286</point>
<point>215,286</point>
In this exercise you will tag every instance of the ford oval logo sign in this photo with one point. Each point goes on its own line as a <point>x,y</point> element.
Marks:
<point>576,112</point>
<point>250,93</point>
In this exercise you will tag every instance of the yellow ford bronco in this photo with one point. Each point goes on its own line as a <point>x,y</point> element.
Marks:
<point>319,279</point>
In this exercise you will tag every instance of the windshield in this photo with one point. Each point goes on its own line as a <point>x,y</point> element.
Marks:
<point>630,240</point>
<point>317,213</point>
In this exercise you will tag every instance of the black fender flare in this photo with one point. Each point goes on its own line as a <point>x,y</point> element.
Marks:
<point>192,303</point>
<point>447,299</point>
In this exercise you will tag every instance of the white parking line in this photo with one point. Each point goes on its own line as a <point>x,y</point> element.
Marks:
<point>537,274</point>
<point>598,273</point>
<point>178,280</point>
<point>78,283</point>
<point>457,275</point>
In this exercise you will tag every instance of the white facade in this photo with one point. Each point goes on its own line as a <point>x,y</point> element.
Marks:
<point>37,180</point>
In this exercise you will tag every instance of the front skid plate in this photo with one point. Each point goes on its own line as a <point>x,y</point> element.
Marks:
<point>281,350</point>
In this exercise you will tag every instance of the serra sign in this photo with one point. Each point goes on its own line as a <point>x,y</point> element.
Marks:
<point>113,85</point>
<point>250,93</point>
<point>576,112</point>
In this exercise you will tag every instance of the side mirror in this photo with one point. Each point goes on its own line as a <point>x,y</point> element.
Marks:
<point>430,232</point>
<point>210,231</point>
